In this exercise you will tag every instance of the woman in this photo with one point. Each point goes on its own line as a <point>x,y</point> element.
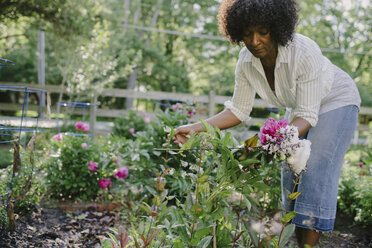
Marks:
<point>288,70</point>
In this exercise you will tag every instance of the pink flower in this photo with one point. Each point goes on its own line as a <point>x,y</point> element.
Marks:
<point>92,166</point>
<point>121,173</point>
<point>361,165</point>
<point>191,112</point>
<point>84,145</point>
<point>146,120</point>
<point>79,125</point>
<point>82,126</point>
<point>271,127</point>
<point>104,183</point>
<point>58,137</point>
<point>86,127</point>
<point>174,107</point>
<point>132,131</point>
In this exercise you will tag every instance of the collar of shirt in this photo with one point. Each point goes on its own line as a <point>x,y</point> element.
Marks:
<point>281,58</point>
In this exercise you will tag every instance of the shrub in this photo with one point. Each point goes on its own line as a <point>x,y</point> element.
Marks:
<point>355,193</point>
<point>127,125</point>
<point>79,169</point>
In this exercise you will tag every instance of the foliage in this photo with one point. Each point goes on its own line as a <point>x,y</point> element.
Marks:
<point>18,186</point>
<point>71,170</point>
<point>127,125</point>
<point>223,200</point>
<point>355,194</point>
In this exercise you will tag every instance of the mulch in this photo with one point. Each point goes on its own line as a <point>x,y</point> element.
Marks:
<point>55,228</point>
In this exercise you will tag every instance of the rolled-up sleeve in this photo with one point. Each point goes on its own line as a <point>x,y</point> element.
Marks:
<point>309,86</point>
<point>242,101</point>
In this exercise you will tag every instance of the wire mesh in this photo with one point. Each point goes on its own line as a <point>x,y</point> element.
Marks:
<point>84,109</point>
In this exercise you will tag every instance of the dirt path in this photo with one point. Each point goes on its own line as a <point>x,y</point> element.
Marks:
<point>53,228</point>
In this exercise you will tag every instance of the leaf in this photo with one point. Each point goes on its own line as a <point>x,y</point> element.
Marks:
<point>202,179</point>
<point>217,214</point>
<point>249,162</point>
<point>286,234</point>
<point>153,235</point>
<point>181,230</point>
<point>143,238</point>
<point>16,157</point>
<point>252,234</point>
<point>151,190</point>
<point>275,243</point>
<point>204,242</point>
<point>189,143</point>
<point>249,143</point>
<point>294,195</point>
<point>196,209</point>
<point>207,126</point>
<point>178,243</point>
<point>288,217</point>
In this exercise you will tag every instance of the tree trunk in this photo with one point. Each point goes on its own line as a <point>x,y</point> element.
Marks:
<point>132,83</point>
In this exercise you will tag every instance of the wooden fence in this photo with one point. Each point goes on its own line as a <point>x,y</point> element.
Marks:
<point>211,101</point>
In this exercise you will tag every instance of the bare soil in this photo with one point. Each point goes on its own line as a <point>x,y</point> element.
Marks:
<point>55,228</point>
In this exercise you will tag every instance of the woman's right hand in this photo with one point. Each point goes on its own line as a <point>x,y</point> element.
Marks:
<point>183,133</point>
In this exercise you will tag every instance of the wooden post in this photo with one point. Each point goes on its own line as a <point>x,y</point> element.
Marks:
<point>41,67</point>
<point>212,102</point>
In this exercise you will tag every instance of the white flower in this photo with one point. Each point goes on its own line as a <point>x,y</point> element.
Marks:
<point>235,198</point>
<point>275,227</point>
<point>258,226</point>
<point>297,161</point>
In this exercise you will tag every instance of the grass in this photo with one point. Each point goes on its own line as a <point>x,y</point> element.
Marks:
<point>6,158</point>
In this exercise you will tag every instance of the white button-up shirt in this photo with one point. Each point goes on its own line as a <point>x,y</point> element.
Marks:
<point>305,81</point>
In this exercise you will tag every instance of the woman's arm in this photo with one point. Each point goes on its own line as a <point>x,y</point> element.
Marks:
<point>222,120</point>
<point>302,125</point>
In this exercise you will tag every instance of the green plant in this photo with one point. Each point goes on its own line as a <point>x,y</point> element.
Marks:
<point>224,191</point>
<point>355,193</point>
<point>21,192</point>
<point>75,167</point>
<point>127,125</point>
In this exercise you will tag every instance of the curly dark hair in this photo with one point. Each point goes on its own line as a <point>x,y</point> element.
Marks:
<point>279,16</point>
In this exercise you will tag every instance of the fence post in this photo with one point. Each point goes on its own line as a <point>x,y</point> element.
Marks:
<point>212,102</point>
<point>93,115</point>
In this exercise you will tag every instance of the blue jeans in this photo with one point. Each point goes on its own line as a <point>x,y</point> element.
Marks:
<point>330,138</point>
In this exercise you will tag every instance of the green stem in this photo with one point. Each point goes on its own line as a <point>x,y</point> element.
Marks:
<point>286,209</point>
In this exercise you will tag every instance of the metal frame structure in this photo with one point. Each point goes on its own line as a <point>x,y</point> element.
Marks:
<point>16,132</point>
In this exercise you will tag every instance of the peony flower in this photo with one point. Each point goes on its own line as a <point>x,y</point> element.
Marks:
<point>191,112</point>
<point>58,137</point>
<point>84,145</point>
<point>147,120</point>
<point>297,161</point>
<point>86,127</point>
<point>132,131</point>
<point>79,125</point>
<point>92,166</point>
<point>271,129</point>
<point>105,183</point>
<point>121,173</point>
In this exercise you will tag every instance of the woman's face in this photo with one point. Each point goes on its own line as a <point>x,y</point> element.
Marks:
<point>258,41</point>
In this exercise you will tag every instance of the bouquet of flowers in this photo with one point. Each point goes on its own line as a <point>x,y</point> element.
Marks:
<point>281,140</point>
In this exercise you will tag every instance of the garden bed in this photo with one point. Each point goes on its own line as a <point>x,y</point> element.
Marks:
<point>53,227</point>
